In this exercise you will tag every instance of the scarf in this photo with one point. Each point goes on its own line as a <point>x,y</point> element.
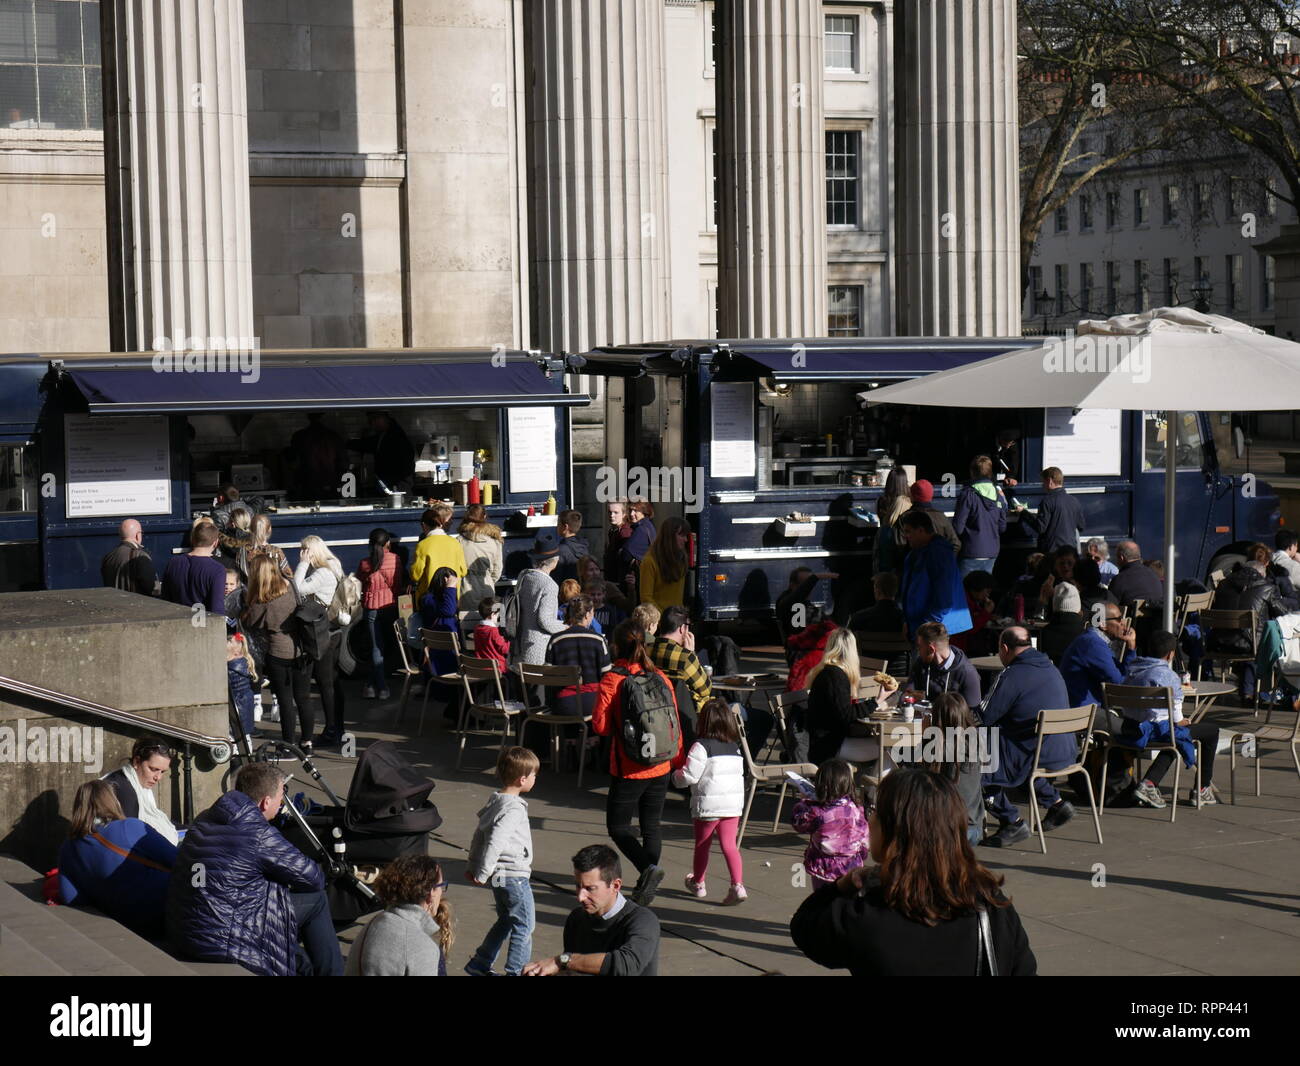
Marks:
<point>150,813</point>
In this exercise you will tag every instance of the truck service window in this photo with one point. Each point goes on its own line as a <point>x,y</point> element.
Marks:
<point>1189,442</point>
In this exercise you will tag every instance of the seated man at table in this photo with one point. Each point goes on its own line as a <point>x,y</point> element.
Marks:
<point>941,668</point>
<point>1029,684</point>
<point>1157,669</point>
<point>883,616</point>
<point>932,588</point>
<point>1089,660</point>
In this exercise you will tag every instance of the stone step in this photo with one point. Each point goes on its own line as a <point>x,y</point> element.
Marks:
<point>46,934</point>
<point>19,959</point>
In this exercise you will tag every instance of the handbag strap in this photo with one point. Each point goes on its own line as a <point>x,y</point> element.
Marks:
<point>129,855</point>
<point>986,957</point>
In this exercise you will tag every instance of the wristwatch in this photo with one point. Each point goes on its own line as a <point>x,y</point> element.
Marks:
<point>563,960</point>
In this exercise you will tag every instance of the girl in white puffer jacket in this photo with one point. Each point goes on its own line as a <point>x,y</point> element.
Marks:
<point>715,772</point>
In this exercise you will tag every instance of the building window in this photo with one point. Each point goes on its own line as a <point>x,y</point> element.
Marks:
<point>1172,196</point>
<point>1171,282</point>
<point>1141,285</point>
<point>1236,197</point>
<point>1085,211</point>
<point>711,42</point>
<point>1062,288</point>
<point>842,148</point>
<point>49,65</point>
<point>1112,288</point>
<point>841,42</point>
<point>1201,276</point>
<point>844,311</point>
<point>1267,267</point>
<point>1035,286</point>
<point>1063,219</point>
<point>1202,199</point>
<point>1141,206</point>
<point>1112,210</point>
<point>1234,265</point>
<point>1085,286</point>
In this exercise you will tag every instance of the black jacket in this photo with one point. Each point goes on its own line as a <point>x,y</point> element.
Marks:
<point>830,713</point>
<point>130,568</point>
<point>883,616</point>
<point>1136,581</point>
<point>1245,589</point>
<point>861,934</point>
<point>571,550</point>
<point>1059,634</point>
<point>1058,523</point>
<point>629,941</point>
<point>126,797</point>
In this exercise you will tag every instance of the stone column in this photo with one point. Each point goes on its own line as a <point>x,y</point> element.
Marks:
<point>597,160</point>
<point>958,198</point>
<point>772,218</point>
<point>176,168</point>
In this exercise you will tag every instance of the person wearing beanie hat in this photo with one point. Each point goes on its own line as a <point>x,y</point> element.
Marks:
<point>922,493</point>
<point>1065,624</point>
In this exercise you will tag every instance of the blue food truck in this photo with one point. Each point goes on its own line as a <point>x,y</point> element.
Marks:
<point>783,464</point>
<point>88,440</point>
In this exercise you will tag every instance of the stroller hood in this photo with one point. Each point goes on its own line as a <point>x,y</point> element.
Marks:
<point>388,795</point>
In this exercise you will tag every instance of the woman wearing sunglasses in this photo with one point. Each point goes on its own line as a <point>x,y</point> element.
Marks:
<point>413,934</point>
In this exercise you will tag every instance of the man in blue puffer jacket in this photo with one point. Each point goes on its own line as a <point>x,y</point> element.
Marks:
<point>932,589</point>
<point>242,893</point>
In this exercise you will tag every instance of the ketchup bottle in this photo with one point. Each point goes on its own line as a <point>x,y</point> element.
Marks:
<point>1020,607</point>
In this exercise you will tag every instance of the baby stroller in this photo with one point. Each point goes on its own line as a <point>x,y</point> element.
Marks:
<point>388,814</point>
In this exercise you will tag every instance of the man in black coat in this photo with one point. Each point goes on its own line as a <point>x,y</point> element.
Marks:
<point>240,892</point>
<point>128,566</point>
<point>1135,580</point>
<point>1246,589</point>
<point>1059,520</point>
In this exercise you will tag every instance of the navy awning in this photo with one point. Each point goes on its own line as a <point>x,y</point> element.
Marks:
<point>21,398</point>
<point>278,382</point>
<point>868,360</point>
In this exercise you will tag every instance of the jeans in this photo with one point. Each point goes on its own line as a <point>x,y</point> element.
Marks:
<point>318,954</point>
<point>1208,735</point>
<point>514,902</point>
<point>291,682</point>
<point>379,622</point>
<point>643,796</point>
<point>325,671</point>
<point>966,566</point>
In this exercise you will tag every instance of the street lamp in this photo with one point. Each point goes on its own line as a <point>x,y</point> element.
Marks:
<point>1202,293</point>
<point>1043,306</point>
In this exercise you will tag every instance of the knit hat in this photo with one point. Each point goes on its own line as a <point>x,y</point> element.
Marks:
<point>1065,598</point>
<point>545,546</point>
<point>922,491</point>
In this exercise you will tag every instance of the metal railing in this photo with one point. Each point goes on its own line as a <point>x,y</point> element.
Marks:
<point>219,748</point>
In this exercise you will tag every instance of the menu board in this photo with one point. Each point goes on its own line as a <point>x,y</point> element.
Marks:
<point>117,465</point>
<point>1083,443</point>
<point>532,448</point>
<point>732,451</point>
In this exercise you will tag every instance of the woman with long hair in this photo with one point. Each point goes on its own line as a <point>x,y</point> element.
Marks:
<point>919,912</point>
<point>960,763</point>
<point>270,614</point>
<point>261,546</point>
<point>235,540</point>
<point>641,534</point>
<point>484,554</point>
<point>381,576</point>
<point>413,934</point>
<point>120,865</point>
<point>832,687</point>
<point>318,575</point>
<point>663,570</point>
<point>439,611</point>
<point>895,500</point>
<point>639,773</point>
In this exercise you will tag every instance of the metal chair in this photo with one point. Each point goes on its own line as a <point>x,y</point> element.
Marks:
<point>769,775</point>
<point>408,671</point>
<point>1189,604</point>
<point>893,735</point>
<point>1276,734</point>
<point>782,733</point>
<point>1054,723</point>
<point>1231,619</point>
<point>556,677</point>
<point>485,673</point>
<point>442,641</point>
<point>1144,699</point>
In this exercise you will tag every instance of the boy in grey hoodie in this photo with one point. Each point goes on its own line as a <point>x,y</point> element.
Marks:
<point>501,854</point>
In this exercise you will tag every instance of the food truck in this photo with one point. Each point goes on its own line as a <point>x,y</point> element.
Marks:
<point>789,463</point>
<point>88,440</point>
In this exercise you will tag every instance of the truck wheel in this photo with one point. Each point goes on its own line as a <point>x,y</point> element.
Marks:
<point>1226,562</point>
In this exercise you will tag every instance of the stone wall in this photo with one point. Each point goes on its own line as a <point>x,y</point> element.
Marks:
<point>115,648</point>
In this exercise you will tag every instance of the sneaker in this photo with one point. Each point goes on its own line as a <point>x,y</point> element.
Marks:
<point>1149,796</point>
<point>473,972</point>
<point>648,885</point>
<point>736,895</point>
<point>1007,835</point>
<point>695,888</point>
<point>1057,815</point>
<point>1208,798</point>
<point>384,694</point>
<point>368,693</point>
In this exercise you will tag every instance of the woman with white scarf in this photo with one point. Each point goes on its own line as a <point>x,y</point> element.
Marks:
<point>134,782</point>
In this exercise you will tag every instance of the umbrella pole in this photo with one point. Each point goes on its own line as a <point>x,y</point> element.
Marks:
<point>1171,477</point>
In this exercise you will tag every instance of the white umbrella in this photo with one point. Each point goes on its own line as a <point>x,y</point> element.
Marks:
<point>1171,359</point>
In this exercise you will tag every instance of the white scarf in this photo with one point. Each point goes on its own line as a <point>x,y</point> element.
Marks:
<point>150,813</point>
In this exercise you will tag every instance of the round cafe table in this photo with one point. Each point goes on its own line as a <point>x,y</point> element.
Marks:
<point>990,663</point>
<point>748,684</point>
<point>1203,694</point>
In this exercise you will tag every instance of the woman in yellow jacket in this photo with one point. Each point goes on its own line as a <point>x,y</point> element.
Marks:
<point>663,570</point>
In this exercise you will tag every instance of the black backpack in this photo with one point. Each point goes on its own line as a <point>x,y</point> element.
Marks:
<point>651,731</point>
<point>313,628</point>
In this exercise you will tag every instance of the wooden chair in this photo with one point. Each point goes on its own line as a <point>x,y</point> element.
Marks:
<point>556,677</point>
<point>868,665</point>
<point>442,641</point>
<point>1144,699</point>
<point>1243,621</point>
<point>769,776</point>
<point>1216,577</point>
<point>1054,723</point>
<point>1271,734</point>
<point>486,673</point>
